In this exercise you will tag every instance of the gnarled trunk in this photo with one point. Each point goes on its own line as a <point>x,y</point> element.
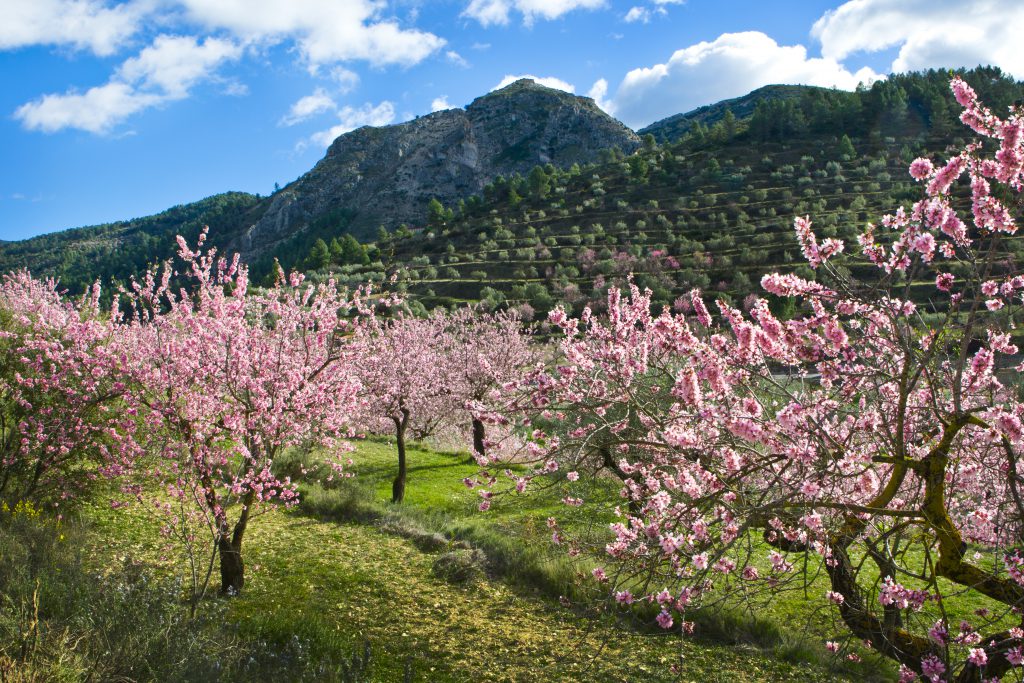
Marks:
<point>608,462</point>
<point>232,568</point>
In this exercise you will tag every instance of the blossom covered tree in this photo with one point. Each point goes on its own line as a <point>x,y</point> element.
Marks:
<point>486,352</point>
<point>405,387</point>
<point>62,411</point>
<point>226,378</point>
<point>872,438</point>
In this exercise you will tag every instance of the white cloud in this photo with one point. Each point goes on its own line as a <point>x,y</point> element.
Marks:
<point>730,66</point>
<point>456,59</point>
<point>636,14</point>
<point>549,81</point>
<point>173,64</point>
<point>491,12</point>
<point>929,33</point>
<point>83,24</point>
<point>599,93</point>
<point>236,89</point>
<point>326,31</point>
<point>351,118</point>
<point>307,107</point>
<point>346,79</point>
<point>440,104</point>
<point>97,110</point>
<point>165,71</point>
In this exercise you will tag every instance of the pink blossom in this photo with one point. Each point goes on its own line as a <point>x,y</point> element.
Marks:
<point>978,657</point>
<point>921,168</point>
<point>932,668</point>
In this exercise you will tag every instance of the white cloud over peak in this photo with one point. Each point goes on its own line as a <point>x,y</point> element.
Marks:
<point>549,81</point>
<point>599,93</point>
<point>163,72</point>
<point>307,107</point>
<point>325,31</point>
<point>929,33</point>
<point>350,118</point>
<point>440,104</point>
<point>93,25</point>
<point>729,66</point>
<point>491,12</point>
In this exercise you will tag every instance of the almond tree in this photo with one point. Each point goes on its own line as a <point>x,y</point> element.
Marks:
<point>229,377</point>
<point>874,439</point>
<point>487,351</point>
<point>62,417</point>
<point>405,386</point>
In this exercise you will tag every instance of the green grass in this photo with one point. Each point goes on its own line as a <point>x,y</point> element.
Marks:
<point>789,626</point>
<point>347,569</point>
<point>516,540</point>
<point>335,585</point>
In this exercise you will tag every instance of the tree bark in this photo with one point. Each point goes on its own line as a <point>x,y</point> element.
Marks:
<point>478,439</point>
<point>232,568</point>
<point>398,486</point>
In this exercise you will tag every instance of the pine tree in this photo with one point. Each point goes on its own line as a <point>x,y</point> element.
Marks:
<point>846,150</point>
<point>539,183</point>
<point>319,255</point>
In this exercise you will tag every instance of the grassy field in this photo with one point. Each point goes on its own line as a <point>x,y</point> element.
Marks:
<point>346,569</point>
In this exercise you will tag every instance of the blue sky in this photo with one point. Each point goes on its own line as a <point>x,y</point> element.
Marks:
<point>111,110</point>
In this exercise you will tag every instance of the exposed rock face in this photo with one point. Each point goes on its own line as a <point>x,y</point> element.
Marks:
<point>386,176</point>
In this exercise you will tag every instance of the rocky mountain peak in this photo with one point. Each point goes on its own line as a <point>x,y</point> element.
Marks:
<point>386,175</point>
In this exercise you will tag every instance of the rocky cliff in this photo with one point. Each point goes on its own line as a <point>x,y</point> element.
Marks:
<point>386,176</point>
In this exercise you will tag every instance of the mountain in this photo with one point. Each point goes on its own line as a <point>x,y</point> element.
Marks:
<point>117,250</point>
<point>386,176</point>
<point>369,177</point>
<point>675,127</point>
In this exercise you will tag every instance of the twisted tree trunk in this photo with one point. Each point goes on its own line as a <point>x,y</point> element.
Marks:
<point>232,568</point>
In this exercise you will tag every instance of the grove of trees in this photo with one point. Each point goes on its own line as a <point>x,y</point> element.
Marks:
<point>864,449</point>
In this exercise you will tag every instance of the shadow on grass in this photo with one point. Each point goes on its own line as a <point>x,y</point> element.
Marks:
<point>535,568</point>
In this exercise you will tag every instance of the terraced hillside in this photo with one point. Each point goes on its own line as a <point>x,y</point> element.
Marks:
<point>713,210</point>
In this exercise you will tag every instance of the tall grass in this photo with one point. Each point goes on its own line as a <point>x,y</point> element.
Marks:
<point>64,620</point>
